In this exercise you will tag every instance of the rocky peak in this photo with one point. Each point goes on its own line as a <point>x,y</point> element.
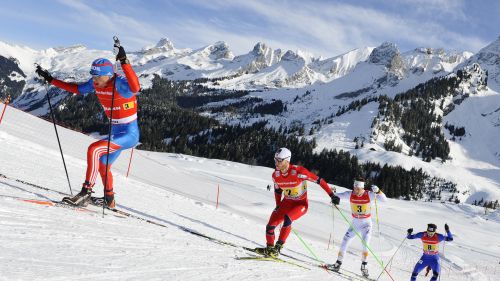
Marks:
<point>165,44</point>
<point>388,55</point>
<point>490,54</point>
<point>260,49</point>
<point>220,50</point>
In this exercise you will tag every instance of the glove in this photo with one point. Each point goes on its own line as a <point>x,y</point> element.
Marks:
<point>375,189</point>
<point>120,53</point>
<point>410,231</point>
<point>335,199</point>
<point>446,227</point>
<point>44,74</point>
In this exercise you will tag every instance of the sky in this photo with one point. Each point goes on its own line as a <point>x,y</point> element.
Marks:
<point>323,28</point>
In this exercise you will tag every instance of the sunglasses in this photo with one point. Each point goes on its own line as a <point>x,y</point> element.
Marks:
<point>278,160</point>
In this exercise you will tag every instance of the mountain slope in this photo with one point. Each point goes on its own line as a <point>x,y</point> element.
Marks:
<point>180,192</point>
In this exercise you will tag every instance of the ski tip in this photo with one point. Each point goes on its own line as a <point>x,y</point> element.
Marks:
<point>39,202</point>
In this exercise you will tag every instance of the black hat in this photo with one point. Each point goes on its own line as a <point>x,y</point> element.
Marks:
<point>431,227</point>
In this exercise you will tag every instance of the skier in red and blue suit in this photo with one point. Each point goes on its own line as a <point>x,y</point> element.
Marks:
<point>125,130</point>
<point>430,241</point>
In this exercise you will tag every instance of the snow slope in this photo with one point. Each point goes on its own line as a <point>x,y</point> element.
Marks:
<point>179,191</point>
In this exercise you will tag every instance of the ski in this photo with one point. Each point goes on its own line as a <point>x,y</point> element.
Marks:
<point>263,258</point>
<point>99,201</point>
<point>50,203</point>
<point>347,273</point>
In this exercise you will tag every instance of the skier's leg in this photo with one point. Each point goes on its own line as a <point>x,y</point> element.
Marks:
<point>277,217</point>
<point>349,235</point>
<point>293,214</point>
<point>421,264</point>
<point>95,151</point>
<point>436,268</point>
<point>120,141</point>
<point>366,231</point>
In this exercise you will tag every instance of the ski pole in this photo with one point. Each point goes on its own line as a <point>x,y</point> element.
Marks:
<point>57,134</point>
<point>110,126</point>
<point>307,247</point>
<point>5,107</point>
<point>333,228</point>
<point>393,255</point>
<point>378,224</point>
<point>364,243</point>
<point>444,243</point>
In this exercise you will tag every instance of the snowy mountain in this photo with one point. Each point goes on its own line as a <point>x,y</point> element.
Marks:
<point>178,193</point>
<point>314,91</point>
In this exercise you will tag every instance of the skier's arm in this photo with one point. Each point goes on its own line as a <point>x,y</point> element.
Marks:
<point>74,88</point>
<point>344,195</point>
<point>415,236</point>
<point>277,193</point>
<point>132,84</point>
<point>133,81</point>
<point>307,175</point>
<point>448,237</point>
<point>379,195</point>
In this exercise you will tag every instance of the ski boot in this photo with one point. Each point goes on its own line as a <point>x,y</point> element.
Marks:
<point>278,247</point>
<point>334,267</point>
<point>82,199</point>
<point>269,251</point>
<point>263,251</point>
<point>364,270</point>
<point>109,199</point>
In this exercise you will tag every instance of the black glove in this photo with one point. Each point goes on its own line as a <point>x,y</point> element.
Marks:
<point>410,231</point>
<point>121,56</point>
<point>44,74</point>
<point>446,227</point>
<point>335,199</point>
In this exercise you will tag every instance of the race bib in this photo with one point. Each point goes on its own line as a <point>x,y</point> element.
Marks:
<point>295,192</point>
<point>128,105</point>
<point>360,209</point>
<point>430,247</point>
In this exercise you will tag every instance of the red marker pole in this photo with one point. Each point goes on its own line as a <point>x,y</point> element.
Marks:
<point>130,161</point>
<point>217,204</point>
<point>5,107</point>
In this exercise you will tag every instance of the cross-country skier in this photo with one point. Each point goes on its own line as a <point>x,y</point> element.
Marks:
<point>291,182</point>
<point>125,131</point>
<point>430,257</point>
<point>360,200</point>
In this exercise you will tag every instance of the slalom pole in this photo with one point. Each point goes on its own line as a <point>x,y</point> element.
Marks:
<point>217,204</point>
<point>110,127</point>
<point>130,161</point>
<point>5,107</point>
<point>393,255</point>
<point>57,134</point>
<point>364,243</point>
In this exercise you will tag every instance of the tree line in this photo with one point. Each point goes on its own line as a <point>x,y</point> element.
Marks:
<point>167,127</point>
